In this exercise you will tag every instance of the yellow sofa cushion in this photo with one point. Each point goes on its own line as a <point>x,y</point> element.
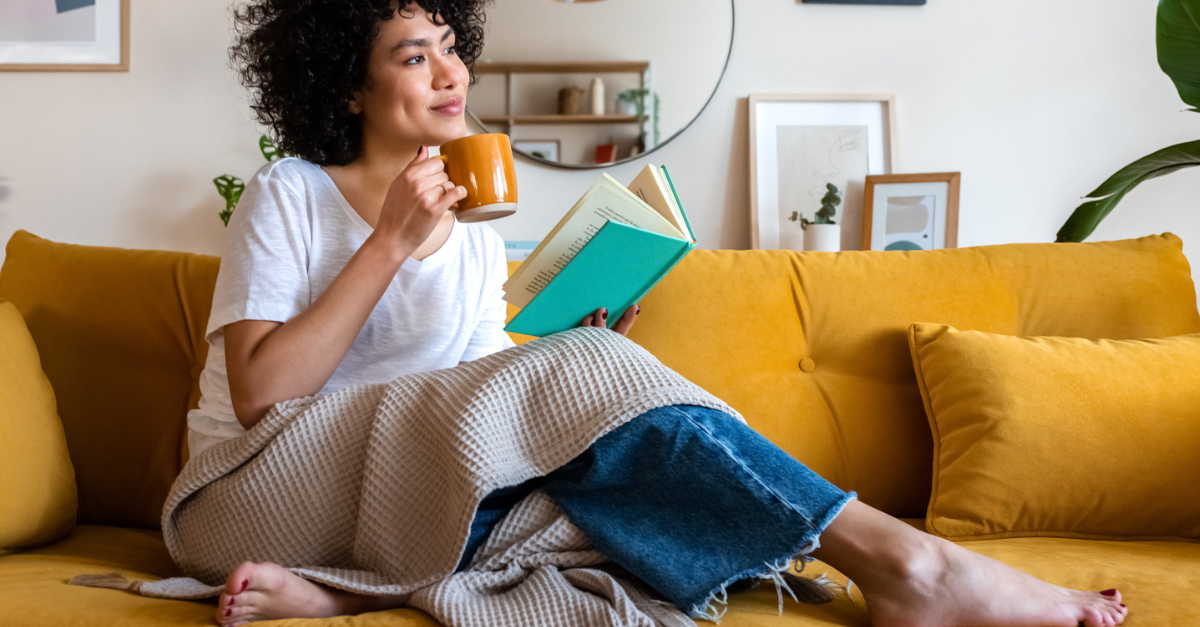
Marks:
<point>37,483</point>
<point>120,334</point>
<point>812,348</point>
<point>1158,581</point>
<point>1058,436</point>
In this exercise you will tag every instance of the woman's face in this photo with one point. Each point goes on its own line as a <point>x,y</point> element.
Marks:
<point>416,86</point>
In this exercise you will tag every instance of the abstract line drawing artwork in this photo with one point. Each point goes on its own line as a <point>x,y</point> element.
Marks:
<point>809,157</point>
<point>910,223</point>
<point>48,21</point>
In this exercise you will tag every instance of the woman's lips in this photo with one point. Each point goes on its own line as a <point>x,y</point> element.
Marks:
<point>452,107</point>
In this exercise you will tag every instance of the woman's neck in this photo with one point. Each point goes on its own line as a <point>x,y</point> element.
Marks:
<point>380,163</point>
<point>365,181</point>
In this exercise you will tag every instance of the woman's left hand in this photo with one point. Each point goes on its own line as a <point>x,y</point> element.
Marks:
<point>600,319</point>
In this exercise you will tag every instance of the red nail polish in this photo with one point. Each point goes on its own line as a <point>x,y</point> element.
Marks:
<point>638,310</point>
<point>245,584</point>
<point>1121,604</point>
<point>231,601</point>
<point>228,612</point>
<point>1110,592</point>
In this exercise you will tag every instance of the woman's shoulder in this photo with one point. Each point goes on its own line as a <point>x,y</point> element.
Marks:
<point>293,172</point>
<point>283,192</point>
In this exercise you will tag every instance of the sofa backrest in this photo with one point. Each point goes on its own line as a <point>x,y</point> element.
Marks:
<point>121,338</point>
<point>809,347</point>
<point>812,347</point>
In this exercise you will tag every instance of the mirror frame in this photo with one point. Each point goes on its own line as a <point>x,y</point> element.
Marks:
<point>597,166</point>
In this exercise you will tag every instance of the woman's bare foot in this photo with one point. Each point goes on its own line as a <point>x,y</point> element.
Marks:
<point>268,591</point>
<point>913,579</point>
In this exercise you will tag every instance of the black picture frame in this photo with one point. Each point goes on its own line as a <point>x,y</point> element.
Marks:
<point>906,2</point>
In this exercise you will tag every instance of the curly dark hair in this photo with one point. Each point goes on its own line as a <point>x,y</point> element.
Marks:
<point>302,61</point>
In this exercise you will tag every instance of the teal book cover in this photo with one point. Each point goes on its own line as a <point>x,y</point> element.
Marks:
<point>614,270</point>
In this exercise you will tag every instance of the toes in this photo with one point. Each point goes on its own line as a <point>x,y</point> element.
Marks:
<point>239,579</point>
<point>1121,613</point>
<point>1094,617</point>
<point>1112,594</point>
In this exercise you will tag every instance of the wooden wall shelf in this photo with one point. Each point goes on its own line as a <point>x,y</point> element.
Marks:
<point>580,67</point>
<point>559,119</point>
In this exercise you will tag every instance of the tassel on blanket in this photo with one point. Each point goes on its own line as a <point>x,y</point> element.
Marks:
<point>171,588</point>
<point>114,581</point>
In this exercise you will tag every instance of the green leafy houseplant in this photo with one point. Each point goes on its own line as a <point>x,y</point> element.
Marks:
<point>231,187</point>
<point>638,98</point>
<point>829,203</point>
<point>1179,57</point>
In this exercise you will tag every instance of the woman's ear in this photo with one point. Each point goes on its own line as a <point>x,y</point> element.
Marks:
<point>354,107</point>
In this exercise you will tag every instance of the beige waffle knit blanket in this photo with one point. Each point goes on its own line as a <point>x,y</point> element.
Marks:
<point>372,489</point>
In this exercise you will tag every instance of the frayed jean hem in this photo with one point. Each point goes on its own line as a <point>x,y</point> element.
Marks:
<point>707,609</point>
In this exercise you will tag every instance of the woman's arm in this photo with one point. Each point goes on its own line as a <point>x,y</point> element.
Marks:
<point>268,362</point>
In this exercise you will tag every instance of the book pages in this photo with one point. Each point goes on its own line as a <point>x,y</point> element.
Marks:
<point>606,200</point>
<point>654,191</point>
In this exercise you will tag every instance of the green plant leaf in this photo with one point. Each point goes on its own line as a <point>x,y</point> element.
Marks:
<point>270,151</point>
<point>1179,46</point>
<point>1087,216</point>
<point>230,188</point>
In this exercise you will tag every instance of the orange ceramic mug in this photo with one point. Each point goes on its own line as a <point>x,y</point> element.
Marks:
<point>484,165</point>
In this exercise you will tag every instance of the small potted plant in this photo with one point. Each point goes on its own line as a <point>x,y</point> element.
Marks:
<point>823,234</point>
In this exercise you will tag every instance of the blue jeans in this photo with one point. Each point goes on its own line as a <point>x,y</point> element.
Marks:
<point>686,498</point>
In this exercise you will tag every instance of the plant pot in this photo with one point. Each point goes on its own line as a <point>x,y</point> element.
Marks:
<point>624,107</point>
<point>825,238</point>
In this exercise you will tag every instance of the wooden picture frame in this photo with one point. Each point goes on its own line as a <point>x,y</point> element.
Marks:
<point>942,225</point>
<point>771,223</point>
<point>110,44</point>
<point>531,148</point>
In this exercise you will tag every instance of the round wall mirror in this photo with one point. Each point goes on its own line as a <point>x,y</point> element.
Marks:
<point>587,84</point>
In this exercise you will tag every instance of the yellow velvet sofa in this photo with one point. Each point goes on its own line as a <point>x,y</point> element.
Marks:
<point>810,347</point>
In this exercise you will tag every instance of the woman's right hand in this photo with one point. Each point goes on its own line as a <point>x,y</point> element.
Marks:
<point>416,201</point>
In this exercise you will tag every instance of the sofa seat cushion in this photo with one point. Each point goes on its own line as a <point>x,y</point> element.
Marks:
<point>34,592</point>
<point>1158,581</point>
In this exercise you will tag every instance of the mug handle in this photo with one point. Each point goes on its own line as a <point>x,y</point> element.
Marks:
<point>445,164</point>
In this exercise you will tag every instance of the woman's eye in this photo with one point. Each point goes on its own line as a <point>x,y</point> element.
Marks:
<point>415,60</point>
<point>451,50</point>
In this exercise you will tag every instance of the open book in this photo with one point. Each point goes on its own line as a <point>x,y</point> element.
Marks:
<point>608,251</point>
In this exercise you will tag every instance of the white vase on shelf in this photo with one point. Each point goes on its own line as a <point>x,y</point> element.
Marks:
<point>825,238</point>
<point>597,96</point>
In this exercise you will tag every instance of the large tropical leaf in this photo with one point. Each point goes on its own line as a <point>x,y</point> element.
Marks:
<point>1179,46</point>
<point>1088,215</point>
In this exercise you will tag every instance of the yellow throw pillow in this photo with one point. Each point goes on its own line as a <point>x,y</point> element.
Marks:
<point>37,482</point>
<point>1057,436</point>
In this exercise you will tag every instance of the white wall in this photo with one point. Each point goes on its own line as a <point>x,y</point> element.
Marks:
<point>1035,101</point>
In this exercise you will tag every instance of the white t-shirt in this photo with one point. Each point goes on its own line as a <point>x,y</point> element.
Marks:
<point>291,235</point>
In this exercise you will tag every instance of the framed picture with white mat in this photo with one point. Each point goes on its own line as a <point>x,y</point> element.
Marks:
<point>911,211</point>
<point>799,143</point>
<point>64,35</point>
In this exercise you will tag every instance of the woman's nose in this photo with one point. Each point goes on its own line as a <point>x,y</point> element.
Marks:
<point>448,72</point>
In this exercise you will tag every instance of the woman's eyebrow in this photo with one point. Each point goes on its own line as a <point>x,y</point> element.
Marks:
<point>421,43</point>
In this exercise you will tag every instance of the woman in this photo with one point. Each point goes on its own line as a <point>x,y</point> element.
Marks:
<point>346,266</point>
